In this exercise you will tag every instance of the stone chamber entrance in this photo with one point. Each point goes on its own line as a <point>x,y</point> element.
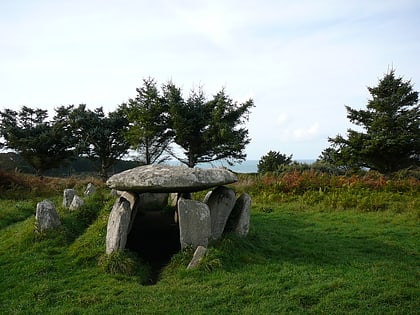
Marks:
<point>155,237</point>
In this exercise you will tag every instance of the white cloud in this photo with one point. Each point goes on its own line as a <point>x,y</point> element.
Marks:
<point>299,134</point>
<point>304,134</point>
<point>282,119</point>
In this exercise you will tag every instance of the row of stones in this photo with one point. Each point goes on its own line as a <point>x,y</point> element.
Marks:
<point>46,215</point>
<point>198,221</point>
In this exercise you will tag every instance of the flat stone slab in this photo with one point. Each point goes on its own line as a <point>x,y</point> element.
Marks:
<point>166,178</point>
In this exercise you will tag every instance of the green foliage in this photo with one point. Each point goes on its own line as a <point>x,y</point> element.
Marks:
<point>43,144</point>
<point>79,166</point>
<point>148,131</point>
<point>11,161</point>
<point>207,130</point>
<point>100,137</point>
<point>273,161</point>
<point>390,140</point>
<point>369,192</point>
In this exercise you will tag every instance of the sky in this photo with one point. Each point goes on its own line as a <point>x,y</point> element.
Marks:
<point>300,61</point>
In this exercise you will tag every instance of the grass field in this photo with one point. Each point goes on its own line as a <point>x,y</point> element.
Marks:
<point>307,252</point>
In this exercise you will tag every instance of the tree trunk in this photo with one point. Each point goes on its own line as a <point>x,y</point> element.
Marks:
<point>191,160</point>
<point>104,170</point>
<point>148,159</point>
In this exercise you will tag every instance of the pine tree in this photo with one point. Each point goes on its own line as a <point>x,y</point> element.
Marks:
<point>390,136</point>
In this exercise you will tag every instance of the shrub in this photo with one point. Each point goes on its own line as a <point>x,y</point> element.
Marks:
<point>272,161</point>
<point>9,180</point>
<point>367,191</point>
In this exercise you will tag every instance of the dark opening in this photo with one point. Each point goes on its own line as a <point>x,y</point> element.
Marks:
<point>155,237</point>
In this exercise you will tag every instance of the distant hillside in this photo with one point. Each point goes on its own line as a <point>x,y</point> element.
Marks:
<point>11,161</point>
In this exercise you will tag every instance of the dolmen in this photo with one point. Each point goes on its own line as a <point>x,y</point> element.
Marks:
<point>199,222</point>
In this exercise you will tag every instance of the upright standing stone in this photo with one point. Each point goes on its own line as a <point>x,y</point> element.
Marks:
<point>68,196</point>
<point>194,223</point>
<point>173,199</point>
<point>46,216</point>
<point>240,216</point>
<point>77,202</point>
<point>90,189</point>
<point>119,222</point>
<point>153,201</point>
<point>221,202</point>
<point>207,196</point>
<point>199,254</point>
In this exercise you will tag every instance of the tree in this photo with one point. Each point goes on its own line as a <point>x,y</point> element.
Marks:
<point>207,130</point>
<point>390,139</point>
<point>148,131</point>
<point>273,161</point>
<point>43,144</point>
<point>100,136</point>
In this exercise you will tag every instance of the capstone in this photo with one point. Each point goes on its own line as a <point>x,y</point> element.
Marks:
<point>165,178</point>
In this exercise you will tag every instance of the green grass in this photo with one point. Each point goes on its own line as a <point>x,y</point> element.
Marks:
<point>13,211</point>
<point>302,256</point>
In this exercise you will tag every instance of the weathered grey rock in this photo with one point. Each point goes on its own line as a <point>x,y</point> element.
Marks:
<point>153,201</point>
<point>240,217</point>
<point>199,253</point>
<point>90,189</point>
<point>130,197</point>
<point>207,196</point>
<point>46,216</point>
<point>194,223</point>
<point>77,202</point>
<point>220,202</point>
<point>176,218</point>
<point>119,222</point>
<point>165,178</point>
<point>173,199</point>
<point>114,193</point>
<point>68,196</point>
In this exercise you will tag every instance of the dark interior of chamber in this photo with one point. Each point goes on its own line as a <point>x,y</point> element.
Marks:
<point>155,237</point>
